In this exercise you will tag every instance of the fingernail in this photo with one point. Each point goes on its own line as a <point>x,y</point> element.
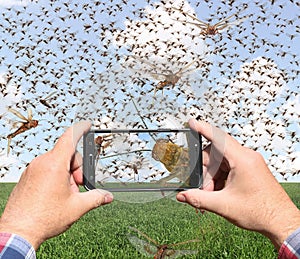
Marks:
<point>108,198</point>
<point>181,197</point>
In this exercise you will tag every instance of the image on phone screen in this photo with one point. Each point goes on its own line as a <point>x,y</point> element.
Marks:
<point>131,160</point>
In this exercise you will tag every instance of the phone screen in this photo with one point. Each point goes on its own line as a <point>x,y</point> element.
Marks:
<point>133,160</point>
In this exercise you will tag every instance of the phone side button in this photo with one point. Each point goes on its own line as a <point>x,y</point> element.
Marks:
<point>91,160</point>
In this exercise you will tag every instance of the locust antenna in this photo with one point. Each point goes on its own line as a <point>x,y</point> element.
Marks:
<point>143,234</point>
<point>138,112</point>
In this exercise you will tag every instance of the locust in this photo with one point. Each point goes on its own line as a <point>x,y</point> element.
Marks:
<point>101,143</point>
<point>158,251</point>
<point>27,124</point>
<point>45,101</point>
<point>208,29</point>
<point>167,77</point>
<point>175,158</point>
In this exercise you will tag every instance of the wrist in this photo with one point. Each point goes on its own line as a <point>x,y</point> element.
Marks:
<point>12,229</point>
<point>284,223</point>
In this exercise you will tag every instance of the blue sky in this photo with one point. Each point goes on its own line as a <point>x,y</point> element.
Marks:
<point>244,79</point>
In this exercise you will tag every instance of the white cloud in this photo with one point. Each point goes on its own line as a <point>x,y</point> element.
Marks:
<point>10,95</point>
<point>10,3</point>
<point>159,36</point>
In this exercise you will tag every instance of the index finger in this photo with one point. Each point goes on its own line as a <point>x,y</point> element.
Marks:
<point>66,144</point>
<point>223,145</point>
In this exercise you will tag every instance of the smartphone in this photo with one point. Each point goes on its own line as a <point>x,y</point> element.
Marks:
<point>129,160</point>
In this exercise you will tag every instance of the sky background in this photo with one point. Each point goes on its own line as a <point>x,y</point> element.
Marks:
<point>95,57</point>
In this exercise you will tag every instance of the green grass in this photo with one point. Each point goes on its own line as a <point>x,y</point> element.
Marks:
<point>102,233</point>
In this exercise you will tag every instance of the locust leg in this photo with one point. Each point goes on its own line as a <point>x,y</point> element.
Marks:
<point>8,145</point>
<point>179,172</point>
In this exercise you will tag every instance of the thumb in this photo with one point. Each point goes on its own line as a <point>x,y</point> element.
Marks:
<point>82,202</point>
<point>201,199</point>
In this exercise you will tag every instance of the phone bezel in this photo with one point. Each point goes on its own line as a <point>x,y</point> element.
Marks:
<point>195,154</point>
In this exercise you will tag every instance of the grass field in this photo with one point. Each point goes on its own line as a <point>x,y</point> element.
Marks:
<point>102,233</point>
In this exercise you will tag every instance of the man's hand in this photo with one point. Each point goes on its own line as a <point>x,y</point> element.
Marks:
<point>47,201</point>
<point>239,187</point>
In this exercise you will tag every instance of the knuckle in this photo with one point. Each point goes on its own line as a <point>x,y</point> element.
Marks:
<point>99,201</point>
<point>195,202</point>
<point>253,156</point>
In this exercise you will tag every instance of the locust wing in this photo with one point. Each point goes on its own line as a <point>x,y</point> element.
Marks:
<point>142,246</point>
<point>13,111</point>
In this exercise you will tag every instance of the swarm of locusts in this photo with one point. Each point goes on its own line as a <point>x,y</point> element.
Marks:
<point>202,56</point>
